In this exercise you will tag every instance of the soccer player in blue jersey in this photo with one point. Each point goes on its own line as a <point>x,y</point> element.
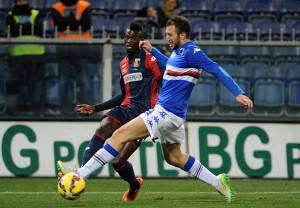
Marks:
<point>166,119</point>
<point>139,81</point>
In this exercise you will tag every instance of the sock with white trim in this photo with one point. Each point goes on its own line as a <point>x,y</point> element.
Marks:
<point>100,158</point>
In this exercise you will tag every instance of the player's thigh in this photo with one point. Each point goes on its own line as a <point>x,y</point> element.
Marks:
<point>175,135</point>
<point>131,131</point>
<point>107,127</point>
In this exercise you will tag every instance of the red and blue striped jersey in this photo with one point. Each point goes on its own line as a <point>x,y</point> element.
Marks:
<point>140,77</point>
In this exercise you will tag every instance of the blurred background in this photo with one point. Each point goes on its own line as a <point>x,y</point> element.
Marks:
<point>48,64</point>
<point>256,41</point>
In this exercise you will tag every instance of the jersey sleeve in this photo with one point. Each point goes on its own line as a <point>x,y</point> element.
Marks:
<point>198,59</point>
<point>152,65</point>
<point>115,101</point>
<point>162,59</point>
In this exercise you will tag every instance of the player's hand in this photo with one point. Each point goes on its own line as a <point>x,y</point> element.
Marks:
<point>85,109</point>
<point>145,44</point>
<point>244,100</point>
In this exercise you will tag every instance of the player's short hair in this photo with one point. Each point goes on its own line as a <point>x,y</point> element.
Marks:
<point>137,27</point>
<point>181,23</point>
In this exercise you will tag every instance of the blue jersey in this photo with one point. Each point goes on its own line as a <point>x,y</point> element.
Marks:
<point>183,69</point>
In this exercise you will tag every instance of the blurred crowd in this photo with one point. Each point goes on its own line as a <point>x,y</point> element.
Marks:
<point>41,80</point>
<point>68,19</point>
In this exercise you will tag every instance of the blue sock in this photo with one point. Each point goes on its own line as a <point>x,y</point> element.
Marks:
<point>95,144</point>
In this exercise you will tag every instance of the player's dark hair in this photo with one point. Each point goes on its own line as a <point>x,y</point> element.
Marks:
<point>137,27</point>
<point>182,24</point>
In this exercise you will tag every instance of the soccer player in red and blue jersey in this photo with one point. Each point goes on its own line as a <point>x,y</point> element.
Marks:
<point>139,82</point>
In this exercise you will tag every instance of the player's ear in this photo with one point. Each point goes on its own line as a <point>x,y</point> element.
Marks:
<point>182,36</point>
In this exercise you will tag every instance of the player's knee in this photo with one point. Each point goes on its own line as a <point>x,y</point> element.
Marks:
<point>102,132</point>
<point>106,128</point>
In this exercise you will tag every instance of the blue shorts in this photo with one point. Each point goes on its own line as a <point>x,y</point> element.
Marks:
<point>123,114</point>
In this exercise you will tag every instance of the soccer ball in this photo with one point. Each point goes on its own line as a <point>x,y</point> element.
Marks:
<point>71,186</point>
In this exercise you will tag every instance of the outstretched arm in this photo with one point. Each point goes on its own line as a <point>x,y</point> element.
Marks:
<point>161,58</point>
<point>85,109</point>
<point>198,59</point>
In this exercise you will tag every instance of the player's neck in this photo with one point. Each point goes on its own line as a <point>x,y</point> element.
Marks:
<point>182,42</point>
<point>132,53</point>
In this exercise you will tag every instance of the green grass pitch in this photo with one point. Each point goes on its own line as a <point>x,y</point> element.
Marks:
<point>156,193</point>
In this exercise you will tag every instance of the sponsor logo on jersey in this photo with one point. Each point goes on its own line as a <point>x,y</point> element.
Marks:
<point>137,62</point>
<point>133,77</point>
<point>197,50</point>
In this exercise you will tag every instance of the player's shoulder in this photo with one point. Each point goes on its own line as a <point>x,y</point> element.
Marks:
<point>124,63</point>
<point>124,60</point>
<point>192,48</point>
<point>149,56</point>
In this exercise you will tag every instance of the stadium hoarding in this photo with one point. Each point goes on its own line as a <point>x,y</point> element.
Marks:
<point>31,149</point>
<point>241,149</point>
<point>268,150</point>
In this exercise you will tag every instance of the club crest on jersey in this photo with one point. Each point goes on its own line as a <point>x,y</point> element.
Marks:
<point>133,77</point>
<point>181,50</point>
<point>137,62</point>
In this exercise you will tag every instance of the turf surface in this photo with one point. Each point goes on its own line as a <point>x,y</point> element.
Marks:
<point>156,193</point>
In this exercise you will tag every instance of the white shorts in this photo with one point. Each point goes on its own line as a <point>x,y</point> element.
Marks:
<point>164,125</point>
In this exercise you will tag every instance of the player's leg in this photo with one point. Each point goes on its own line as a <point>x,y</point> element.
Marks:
<point>125,170</point>
<point>107,126</point>
<point>105,130</point>
<point>175,157</point>
<point>131,131</point>
<point>188,163</point>
<point>123,167</point>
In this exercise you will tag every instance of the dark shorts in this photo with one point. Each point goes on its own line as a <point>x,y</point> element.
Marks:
<point>123,114</point>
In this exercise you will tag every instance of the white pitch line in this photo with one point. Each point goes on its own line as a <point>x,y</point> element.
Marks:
<point>99,192</point>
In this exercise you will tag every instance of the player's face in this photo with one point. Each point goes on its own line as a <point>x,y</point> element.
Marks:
<point>172,37</point>
<point>132,40</point>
